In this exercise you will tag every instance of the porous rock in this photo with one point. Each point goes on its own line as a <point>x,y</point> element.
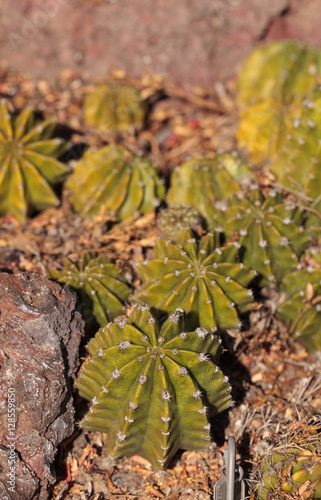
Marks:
<point>40,331</point>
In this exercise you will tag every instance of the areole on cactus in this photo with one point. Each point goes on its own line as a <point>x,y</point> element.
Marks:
<point>153,387</point>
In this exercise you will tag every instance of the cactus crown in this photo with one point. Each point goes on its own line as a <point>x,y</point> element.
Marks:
<point>114,108</point>
<point>171,221</point>
<point>153,387</point>
<point>28,164</point>
<point>99,284</point>
<point>111,181</point>
<point>270,239</point>
<point>199,276</point>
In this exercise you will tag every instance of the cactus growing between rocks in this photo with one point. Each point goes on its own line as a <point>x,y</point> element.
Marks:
<point>100,286</point>
<point>269,235</point>
<point>300,303</point>
<point>199,276</point>
<point>292,469</point>
<point>111,181</point>
<point>200,182</point>
<point>114,108</point>
<point>28,164</point>
<point>153,388</point>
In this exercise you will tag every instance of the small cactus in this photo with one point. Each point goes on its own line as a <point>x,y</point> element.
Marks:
<point>114,108</point>
<point>101,288</point>
<point>201,182</point>
<point>270,238</point>
<point>300,303</point>
<point>153,388</point>
<point>199,276</point>
<point>28,164</point>
<point>292,469</point>
<point>171,221</point>
<point>111,181</point>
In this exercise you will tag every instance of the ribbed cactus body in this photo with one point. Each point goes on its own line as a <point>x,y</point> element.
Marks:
<point>28,164</point>
<point>292,469</point>
<point>111,181</point>
<point>300,304</point>
<point>153,388</point>
<point>171,221</point>
<point>282,69</point>
<point>199,276</point>
<point>271,241</point>
<point>100,285</point>
<point>114,108</point>
<point>200,182</point>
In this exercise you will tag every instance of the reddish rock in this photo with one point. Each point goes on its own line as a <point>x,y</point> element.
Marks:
<point>40,331</point>
<point>190,42</point>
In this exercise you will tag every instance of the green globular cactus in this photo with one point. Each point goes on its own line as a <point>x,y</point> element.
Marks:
<point>28,164</point>
<point>199,276</point>
<point>114,108</point>
<point>300,303</point>
<point>292,469</point>
<point>270,238</point>
<point>171,221</point>
<point>153,388</point>
<point>100,286</point>
<point>202,181</point>
<point>111,181</point>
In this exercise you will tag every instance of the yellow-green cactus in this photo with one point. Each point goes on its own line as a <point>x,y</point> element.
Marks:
<point>201,277</point>
<point>201,182</point>
<point>28,164</point>
<point>153,387</point>
<point>100,286</point>
<point>171,221</point>
<point>114,108</point>
<point>111,181</point>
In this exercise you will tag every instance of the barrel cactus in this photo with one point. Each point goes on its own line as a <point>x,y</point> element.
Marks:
<point>202,181</point>
<point>271,240</point>
<point>292,469</point>
<point>100,286</point>
<point>115,108</point>
<point>112,181</point>
<point>28,163</point>
<point>300,303</point>
<point>153,387</point>
<point>199,276</point>
<point>171,221</point>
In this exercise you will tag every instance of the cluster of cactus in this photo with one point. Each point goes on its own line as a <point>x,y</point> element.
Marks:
<point>201,182</point>
<point>153,388</point>
<point>292,469</point>
<point>99,285</point>
<point>300,302</point>
<point>202,277</point>
<point>28,163</point>
<point>114,108</point>
<point>111,181</point>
